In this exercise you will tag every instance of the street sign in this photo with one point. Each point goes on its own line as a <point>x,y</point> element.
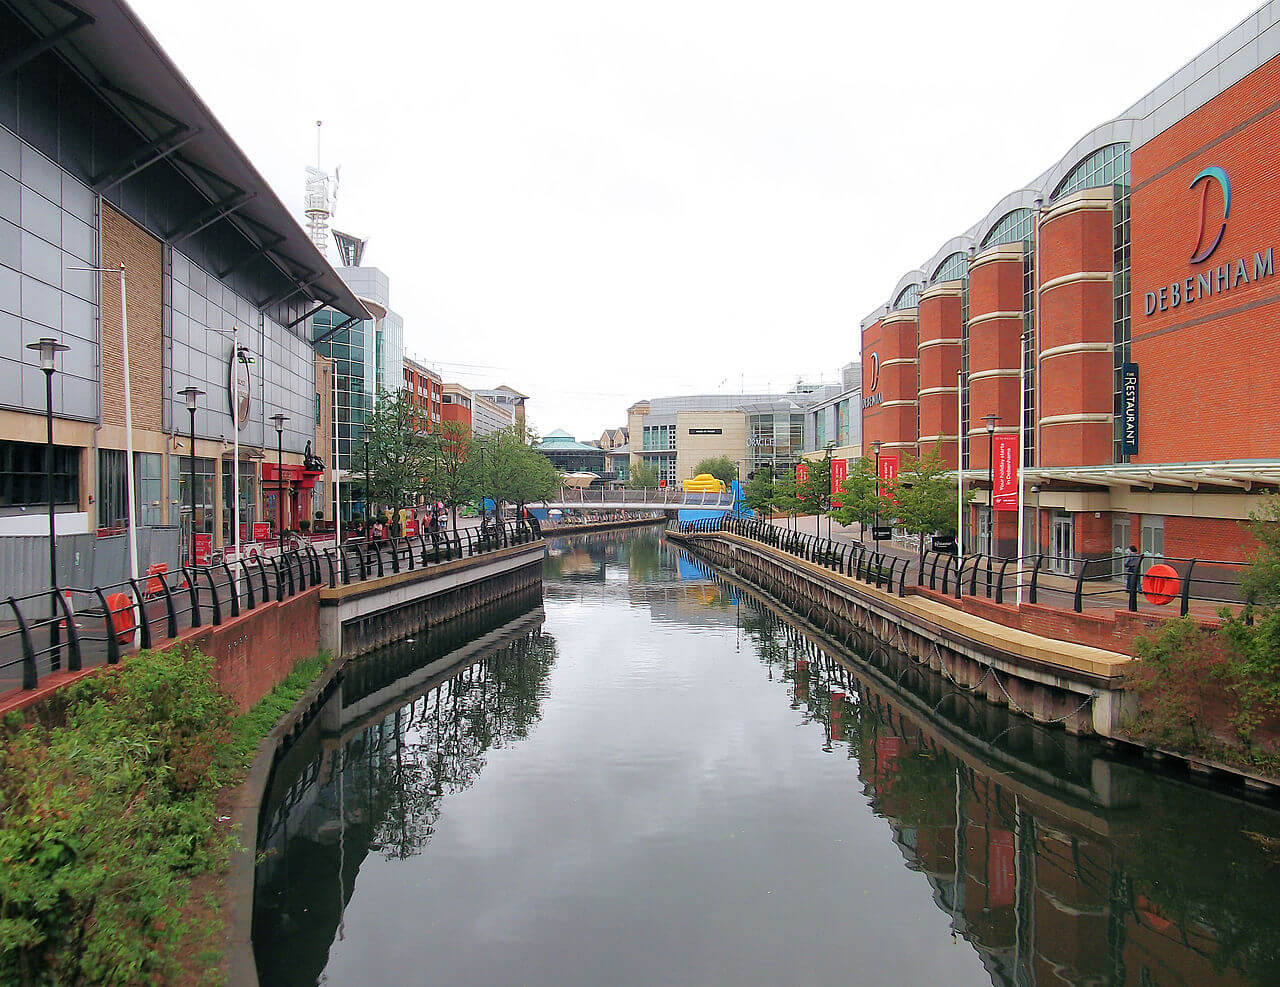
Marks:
<point>261,530</point>
<point>882,532</point>
<point>942,543</point>
<point>203,547</point>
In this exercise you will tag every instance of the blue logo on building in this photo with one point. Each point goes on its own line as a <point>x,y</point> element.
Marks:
<point>1218,175</point>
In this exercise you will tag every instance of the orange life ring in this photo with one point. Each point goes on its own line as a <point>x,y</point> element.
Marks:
<point>1160,584</point>
<point>122,618</point>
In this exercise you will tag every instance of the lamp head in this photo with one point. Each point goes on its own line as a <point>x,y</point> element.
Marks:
<point>48,348</point>
<point>991,422</point>
<point>278,421</point>
<point>875,446</point>
<point>189,395</point>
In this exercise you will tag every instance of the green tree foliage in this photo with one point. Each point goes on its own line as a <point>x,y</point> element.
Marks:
<point>785,495</point>
<point>454,472</point>
<point>399,451</point>
<point>759,491</point>
<point>924,497</point>
<point>721,467</point>
<point>859,495</point>
<point>644,475</point>
<point>814,490</point>
<point>511,472</point>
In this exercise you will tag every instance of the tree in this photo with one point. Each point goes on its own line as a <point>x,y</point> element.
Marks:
<point>924,497</point>
<point>721,467</point>
<point>399,451</point>
<point>512,472</point>
<point>454,472</point>
<point>815,489</point>
<point>784,495</point>
<point>759,492</point>
<point>859,496</point>
<point>644,475</point>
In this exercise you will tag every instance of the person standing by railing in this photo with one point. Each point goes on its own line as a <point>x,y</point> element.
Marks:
<point>1132,569</point>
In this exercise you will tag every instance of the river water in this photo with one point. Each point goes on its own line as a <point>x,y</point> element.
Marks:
<point>653,776</point>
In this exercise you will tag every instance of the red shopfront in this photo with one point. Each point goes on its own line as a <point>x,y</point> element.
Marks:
<point>295,485</point>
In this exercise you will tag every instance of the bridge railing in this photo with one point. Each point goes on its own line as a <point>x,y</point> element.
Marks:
<point>72,628</point>
<point>667,496</point>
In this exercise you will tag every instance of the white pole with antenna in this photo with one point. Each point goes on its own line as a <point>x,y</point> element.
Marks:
<point>130,509</point>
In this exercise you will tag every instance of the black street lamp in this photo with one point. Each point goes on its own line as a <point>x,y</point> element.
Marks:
<point>189,394</point>
<point>875,447</point>
<point>991,507</point>
<point>830,446</point>
<point>278,421</point>
<point>368,500</point>
<point>49,348</point>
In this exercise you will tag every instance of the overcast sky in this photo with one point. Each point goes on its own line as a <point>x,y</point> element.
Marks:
<point>598,202</point>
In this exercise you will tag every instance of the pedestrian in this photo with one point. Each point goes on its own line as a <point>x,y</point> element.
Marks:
<point>1132,569</point>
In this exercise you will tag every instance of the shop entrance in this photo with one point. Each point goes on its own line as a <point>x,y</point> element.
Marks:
<point>1062,544</point>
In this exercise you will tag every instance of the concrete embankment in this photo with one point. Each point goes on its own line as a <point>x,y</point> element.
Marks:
<point>1051,682</point>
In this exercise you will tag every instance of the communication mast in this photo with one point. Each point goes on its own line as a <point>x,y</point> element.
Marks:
<point>320,200</point>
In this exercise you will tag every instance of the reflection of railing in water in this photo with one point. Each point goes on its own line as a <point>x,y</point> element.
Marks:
<point>1009,852</point>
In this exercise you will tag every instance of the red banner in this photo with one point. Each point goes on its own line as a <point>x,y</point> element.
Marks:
<point>261,530</point>
<point>839,472</point>
<point>888,472</point>
<point>1004,472</point>
<point>802,472</point>
<point>203,547</point>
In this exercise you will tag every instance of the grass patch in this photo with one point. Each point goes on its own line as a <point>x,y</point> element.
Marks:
<point>108,815</point>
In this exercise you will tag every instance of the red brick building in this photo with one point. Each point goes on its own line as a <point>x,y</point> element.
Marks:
<point>424,389</point>
<point>1117,318</point>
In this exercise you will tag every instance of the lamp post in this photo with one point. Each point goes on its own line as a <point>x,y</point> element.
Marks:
<point>189,394</point>
<point>278,421</point>
<point>875,448</point>
<point>830,446</point>
<point>49,348</point>
<point>368,500</point>
<point>241,355</point>
<point>991,505</point>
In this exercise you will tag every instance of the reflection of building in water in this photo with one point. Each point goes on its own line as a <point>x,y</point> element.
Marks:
<point>1051,866</point>
<point>379,786</point>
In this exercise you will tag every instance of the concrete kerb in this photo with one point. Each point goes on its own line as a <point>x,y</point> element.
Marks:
<point>246,807</point>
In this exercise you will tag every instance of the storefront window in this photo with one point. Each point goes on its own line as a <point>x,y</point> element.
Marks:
<point>248,500</point>
<point>149,487</point>
<point>112,510</point>
<point>180,491</point>
<point>22,475</point>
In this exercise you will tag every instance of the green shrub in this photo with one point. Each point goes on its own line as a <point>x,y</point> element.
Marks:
<point>106,817</point>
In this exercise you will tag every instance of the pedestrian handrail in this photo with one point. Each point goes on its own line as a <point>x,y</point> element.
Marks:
<point>998,578</point>
<point>74,627</point>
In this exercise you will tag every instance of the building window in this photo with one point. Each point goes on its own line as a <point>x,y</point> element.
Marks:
<point>909,297</point>
<point>954,267</point>
<point>1106,166</point>
<point>820,428</point>
<point>22,475</point>
<point>148,477</point>
<point>842,422</point>
<point>1028,359</point>
<point>964,373</point>
<point>113,511</point>
<point>1122,330</point>
<point>180,490</point>
<point>1012,227</point>
<point>248,501</point>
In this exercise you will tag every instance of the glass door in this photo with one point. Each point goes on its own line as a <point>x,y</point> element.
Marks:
<point>1063,544</point>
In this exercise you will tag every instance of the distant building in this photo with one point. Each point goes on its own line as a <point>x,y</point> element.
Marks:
<point>612,438</point>
<point>510,398</point>
<point>455,404</point>
<point>488,416</point>
<point>568,455</point>
<point>424,388</point>
<point>751,430</point>
<point>835,422</point>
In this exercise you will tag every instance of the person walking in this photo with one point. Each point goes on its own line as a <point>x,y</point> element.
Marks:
<point>1132,569</point>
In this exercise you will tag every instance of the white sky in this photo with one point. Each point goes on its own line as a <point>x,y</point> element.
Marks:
<point>598,202</point>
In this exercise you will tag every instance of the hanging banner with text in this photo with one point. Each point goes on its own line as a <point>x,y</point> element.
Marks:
<point>1129,408</point>
<point>888,473</point>
<point>1004,472</point>
<point>802,474</point>
<point>839,472</point>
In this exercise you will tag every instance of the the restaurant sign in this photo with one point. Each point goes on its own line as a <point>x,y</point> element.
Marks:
<point>1129,408</point>
<point>1223,277</point>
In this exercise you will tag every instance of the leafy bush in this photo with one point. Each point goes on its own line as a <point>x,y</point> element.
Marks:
<point>105,818</point>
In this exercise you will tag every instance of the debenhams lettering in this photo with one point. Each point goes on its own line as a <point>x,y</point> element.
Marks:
<point>1206,284</point>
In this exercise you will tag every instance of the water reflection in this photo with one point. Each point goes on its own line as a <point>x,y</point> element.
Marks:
<point>686,785</point>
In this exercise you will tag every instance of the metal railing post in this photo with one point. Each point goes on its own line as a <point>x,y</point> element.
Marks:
<point>144,622</point>
<point>194,593</point>
<point>30,678</point>
<point>1078,602</point>
<point>1035,577</point>
<point>113,645</point>
<point>73,635</point>
<point>213,597</point>
<point>1000,585</point>
<point>231,587</point>
<point>170,607</point>
<point>1186,588</point>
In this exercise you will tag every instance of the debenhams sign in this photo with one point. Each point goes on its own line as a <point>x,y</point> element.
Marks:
<point>1217,280</point>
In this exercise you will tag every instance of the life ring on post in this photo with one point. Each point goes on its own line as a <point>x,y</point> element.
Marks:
<point>122,619</point>
<point>1160,584</point>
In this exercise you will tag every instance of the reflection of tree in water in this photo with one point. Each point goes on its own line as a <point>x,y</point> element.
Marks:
<point>1177,887</point>
<point>441,739</point>
<point>381,790</point>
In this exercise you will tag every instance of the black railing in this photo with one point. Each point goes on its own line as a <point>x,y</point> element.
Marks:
<point>999,578</point>
<point>72,628</point>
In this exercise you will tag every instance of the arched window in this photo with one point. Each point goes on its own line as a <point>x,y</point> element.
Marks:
<point>909,297</point>
<point>1106,166</point>
<point>953,268</point>
<point>1012,227</point>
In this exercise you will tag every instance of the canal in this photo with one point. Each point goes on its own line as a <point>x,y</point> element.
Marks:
<point>651,775</point>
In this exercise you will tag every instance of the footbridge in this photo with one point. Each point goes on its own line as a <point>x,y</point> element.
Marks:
<point>668,499</point>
